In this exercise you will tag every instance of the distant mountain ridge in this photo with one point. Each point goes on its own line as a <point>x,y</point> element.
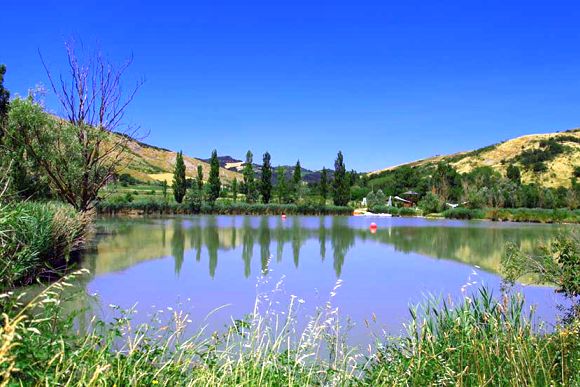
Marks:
<point>550,159</point>
<point>236,165</point>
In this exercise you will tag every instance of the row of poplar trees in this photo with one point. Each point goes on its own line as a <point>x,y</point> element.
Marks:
<point>262,188</point>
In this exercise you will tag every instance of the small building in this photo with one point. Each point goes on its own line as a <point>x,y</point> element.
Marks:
<point>408,199</point>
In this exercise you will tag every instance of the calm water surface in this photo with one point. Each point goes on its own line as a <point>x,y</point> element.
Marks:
<point>198,263</point>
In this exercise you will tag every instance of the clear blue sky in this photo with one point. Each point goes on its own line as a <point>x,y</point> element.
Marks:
<point>386,82</point>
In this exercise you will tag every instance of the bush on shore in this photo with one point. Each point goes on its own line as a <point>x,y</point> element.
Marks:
<point>463,213</point>
<point>36,239</point>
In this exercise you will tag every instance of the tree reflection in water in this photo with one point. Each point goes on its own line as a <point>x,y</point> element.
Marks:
<point>135,240</point>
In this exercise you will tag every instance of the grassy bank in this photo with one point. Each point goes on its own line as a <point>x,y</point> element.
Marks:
<point>479,341</point>
<point>36,240</point>
<point>150,207</point>
<point>535,215</point>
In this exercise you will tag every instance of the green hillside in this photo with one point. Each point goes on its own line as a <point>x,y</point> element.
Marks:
<point>549,160</point>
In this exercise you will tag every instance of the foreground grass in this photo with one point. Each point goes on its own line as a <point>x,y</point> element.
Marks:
<point>480,341</point>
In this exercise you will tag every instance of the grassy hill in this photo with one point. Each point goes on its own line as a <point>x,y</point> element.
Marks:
<point>149,163</point>
<point>546,159</point>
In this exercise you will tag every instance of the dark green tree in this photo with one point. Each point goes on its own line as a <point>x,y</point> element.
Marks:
<point>164,189</point>
<point>249,179</point>
<point>297,175</point>
<point>295,185</point>
<point>214,178</point>
<point>179,187</point>
<point>341,189</point>
<point>266,182</point>
<point>352,177</point>
<point>4,99</point>
<point>199,178</point>
<point>282,185</point>
<point>235,189</point>
<point>446,182</point>
<point>513,173</point>
<point>324,184</point>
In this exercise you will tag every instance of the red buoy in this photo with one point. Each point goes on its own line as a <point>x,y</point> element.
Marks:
<point>373,227</point>
<point>283,216</point>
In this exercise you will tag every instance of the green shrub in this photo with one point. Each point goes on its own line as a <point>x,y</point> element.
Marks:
<point>463,213</point>
<point>407,211</point>
<point>431,203</point>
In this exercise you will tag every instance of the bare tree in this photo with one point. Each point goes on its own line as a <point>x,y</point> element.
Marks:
<point>94,105</point>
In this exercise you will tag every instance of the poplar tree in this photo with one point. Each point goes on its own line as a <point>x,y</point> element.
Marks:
<point>282,186</point>
<point>235,189</point>
<point>164,189</point>
<point>266,183</point>
<point>199,178</point>
<point>179,187</point>
<point>297,175</point>
<point>324,184</point>
<point>214,178</point>
<point>249,179</point>
<point>341,190</point>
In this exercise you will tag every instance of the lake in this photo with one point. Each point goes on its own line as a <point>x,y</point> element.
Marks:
<point>199,263</point>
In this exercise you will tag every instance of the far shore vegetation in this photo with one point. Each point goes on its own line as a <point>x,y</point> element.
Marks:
<point>57,171</point>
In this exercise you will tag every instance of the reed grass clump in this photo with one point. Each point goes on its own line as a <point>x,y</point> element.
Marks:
<point>263,349</point>
<point>481,341</point>
<point>36,238</point>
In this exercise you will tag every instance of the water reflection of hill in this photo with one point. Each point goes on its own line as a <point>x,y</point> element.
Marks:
<point>125,243</point>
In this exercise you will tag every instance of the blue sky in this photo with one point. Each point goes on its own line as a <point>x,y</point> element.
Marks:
<point>386,82</point>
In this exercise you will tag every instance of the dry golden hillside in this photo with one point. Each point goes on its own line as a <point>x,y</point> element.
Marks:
<point>147,163</point>
<point>558,172</point>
